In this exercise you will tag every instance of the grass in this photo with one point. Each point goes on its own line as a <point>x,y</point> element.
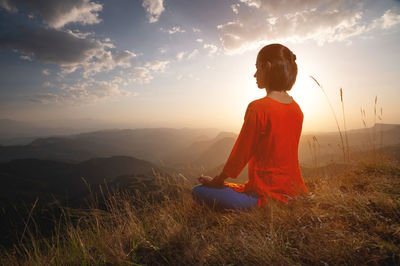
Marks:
<point>350,218</point>
<point>334,115</point>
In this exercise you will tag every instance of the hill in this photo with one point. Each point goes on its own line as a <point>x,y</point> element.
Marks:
<point>349,218</point>
<point>190,150</point>
<point>153,145</point>
<point>52,184</point>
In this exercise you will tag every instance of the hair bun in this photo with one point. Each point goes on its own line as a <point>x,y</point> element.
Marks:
<point>293,57</point>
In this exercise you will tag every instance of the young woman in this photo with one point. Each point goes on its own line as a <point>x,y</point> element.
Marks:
<point>268,142</point>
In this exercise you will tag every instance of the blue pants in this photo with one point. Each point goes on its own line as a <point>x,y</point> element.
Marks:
<point>224,198</point>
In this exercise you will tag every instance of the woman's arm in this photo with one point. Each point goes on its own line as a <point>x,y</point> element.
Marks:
<point>245,144</point>
<point>241,152</point>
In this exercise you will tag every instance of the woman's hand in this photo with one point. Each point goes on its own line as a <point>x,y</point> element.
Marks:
<point>216,182</point>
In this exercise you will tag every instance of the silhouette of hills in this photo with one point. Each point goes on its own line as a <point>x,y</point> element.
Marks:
<point>154,145</point>
<point>188,150</point>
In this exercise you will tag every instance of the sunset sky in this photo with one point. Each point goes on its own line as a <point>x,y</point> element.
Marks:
<point>181,63</point>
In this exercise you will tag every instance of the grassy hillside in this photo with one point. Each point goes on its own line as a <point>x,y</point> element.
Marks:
<point>49,184</point>
<point>349,218</point>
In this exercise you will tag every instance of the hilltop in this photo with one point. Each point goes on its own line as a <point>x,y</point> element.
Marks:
<point>350,217</point>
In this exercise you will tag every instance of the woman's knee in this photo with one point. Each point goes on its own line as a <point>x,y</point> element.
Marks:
<point>197,191</point>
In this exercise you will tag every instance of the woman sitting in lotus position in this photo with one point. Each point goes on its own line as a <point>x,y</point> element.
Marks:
<point>268,142</point>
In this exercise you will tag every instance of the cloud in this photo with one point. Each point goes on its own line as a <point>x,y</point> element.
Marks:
<point>58,13</point>
<point>45,98</point>
<point>196,30</point>
<point>296,20</point>
<point>153,8</point>
<point>48,84</point>
<point>173,30</point>
<point>199,40</point>
<point>7,5</point>
<point>144,74</point>
<point>235,8</point>
<point>86,92</point>
<point>25,57</point>
<point>141,75</point>
<point>180,55</point>
<point>193,54</point>
<point>390,18</point>
<point>212,48</point>
<point>71,51</point>
<point>46,72</point>
<point>157,66</point>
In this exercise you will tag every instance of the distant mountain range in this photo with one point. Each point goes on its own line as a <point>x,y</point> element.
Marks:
<point>154,145</point>
<point>14,132</point>
<point>188,148</point>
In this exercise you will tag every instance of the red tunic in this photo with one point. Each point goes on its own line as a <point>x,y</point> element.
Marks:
<point>268,142</point>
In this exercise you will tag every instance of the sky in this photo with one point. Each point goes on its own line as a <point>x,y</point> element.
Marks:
<point>177,63</point>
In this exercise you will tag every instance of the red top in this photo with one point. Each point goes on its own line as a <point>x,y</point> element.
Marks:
<point>268,142</point>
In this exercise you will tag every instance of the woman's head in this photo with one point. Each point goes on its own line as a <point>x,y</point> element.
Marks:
<point>276,68</point>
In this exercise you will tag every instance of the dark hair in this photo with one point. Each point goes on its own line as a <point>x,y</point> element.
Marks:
<point>283,70</point>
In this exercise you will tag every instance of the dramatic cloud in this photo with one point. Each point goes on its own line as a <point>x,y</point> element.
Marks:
<point>58,13</point>
<point>173,30</point>
<point>86,92</point>
<point>153,8</point>
<point>297,20</point>
<point>68,50</point>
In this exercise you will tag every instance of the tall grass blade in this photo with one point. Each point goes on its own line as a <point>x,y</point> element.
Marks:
<point>334,115</point>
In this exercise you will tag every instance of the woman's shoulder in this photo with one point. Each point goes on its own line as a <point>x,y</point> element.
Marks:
<point>266,103</point>
<point>256,103</point>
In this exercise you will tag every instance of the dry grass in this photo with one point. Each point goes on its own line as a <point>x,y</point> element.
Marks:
<point>343,148</point>
<point>353,218</point>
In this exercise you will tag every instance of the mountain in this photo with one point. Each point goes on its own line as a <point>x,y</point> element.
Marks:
<point>189,150</point>
<point>217,153</point>
<point>151,144</point>
<point>327,146</point>
<point>193,152</point>
<point>14,132</point>
<point>314,150</point>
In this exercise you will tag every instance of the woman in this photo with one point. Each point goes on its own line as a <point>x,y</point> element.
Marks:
<point>268,142</point>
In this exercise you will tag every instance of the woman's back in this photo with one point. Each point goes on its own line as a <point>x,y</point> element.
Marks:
<point>281,125</point>
<point>269,142</point>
